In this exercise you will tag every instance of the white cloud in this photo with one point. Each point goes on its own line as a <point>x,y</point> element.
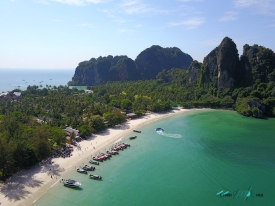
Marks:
<point>72,2</point>
<point>57,20</point>
<point>41,1</point>
<point>86,25</point>
<point>263,7</point>
<point>137,7</point>
<point>211,42</point>
<point>229,16</point>
<point>190,23</point>
<point>245,3</point>
<point>190,0</point>
<point>270,25</point>
<point>125,30</point>
<point>115,18</point>
<point>79,2</point>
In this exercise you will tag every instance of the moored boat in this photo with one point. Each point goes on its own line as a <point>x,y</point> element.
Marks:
<point>71,183</point>
<point>138,131</point>
<point>133,137</point>
<point>106,156</point>
<point>124,146</point>
<point>99,158</point>
<point>94,162</point>
<point>96,177</point>
<point>89,168</point>
<point>113,152</point>
<point>81,170</point>
<point>117,148</point>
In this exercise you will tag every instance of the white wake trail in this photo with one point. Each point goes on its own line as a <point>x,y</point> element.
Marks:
<point>169,135</point>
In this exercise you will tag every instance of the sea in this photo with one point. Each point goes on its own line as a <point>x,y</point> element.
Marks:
<point>205,157</point>
<point>11,79</point>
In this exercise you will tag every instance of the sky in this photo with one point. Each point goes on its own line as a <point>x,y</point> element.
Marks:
<point>61,33</point>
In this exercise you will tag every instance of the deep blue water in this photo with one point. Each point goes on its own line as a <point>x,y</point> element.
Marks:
<point>20,78</point>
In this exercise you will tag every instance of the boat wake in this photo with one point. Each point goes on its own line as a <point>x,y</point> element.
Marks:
<point>169,135</point>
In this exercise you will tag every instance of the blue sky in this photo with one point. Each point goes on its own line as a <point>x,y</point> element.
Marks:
<point>62,33</point>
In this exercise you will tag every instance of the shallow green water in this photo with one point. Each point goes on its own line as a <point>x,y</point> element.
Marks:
<point>199,154</point>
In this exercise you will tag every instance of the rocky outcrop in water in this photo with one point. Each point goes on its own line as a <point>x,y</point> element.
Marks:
<point>256,108</point>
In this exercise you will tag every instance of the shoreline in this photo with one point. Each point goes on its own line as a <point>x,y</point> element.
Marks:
<point>27,186</point>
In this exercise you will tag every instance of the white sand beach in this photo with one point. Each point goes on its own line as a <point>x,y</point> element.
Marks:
<point>25,187</point>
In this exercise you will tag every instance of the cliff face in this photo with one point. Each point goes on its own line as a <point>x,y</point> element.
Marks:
<point>121,68</point>
<point>125,69</point>
<point>222,67</point>
<point>153,60</point>
<point>221,64</point>
<point>194,71</point>
<point>259,63</point>
<point>98,71</point>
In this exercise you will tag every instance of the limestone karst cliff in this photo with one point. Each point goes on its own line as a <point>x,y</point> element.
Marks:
<point>147,65</point>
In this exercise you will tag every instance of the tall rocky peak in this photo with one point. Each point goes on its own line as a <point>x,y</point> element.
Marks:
<point>260,62</point>
<point>153,60</point>
<point>194,71</point>
<point>96,71</point>
<point>221,65</point>
<point>125,69</point>
<point>121,68</point>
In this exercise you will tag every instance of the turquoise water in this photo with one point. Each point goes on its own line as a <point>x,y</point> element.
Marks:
<point>13,78</point>
<point>199,154</point>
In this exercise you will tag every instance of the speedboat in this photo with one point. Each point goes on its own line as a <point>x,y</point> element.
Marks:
<point>89,167</point>
<point>159,129</point>
<point>94,162</point>
<point>81,170</point>
<point>71,183</point>
<point>96,177</point>
<point>133,137</point>
<point>138,131</point>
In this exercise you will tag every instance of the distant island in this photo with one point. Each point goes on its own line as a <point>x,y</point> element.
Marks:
<point>223,79</point>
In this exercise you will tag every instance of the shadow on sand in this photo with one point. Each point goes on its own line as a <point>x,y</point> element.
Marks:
<point>16,187</point>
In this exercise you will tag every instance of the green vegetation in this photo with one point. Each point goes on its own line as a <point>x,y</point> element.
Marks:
<point>31,128</point>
